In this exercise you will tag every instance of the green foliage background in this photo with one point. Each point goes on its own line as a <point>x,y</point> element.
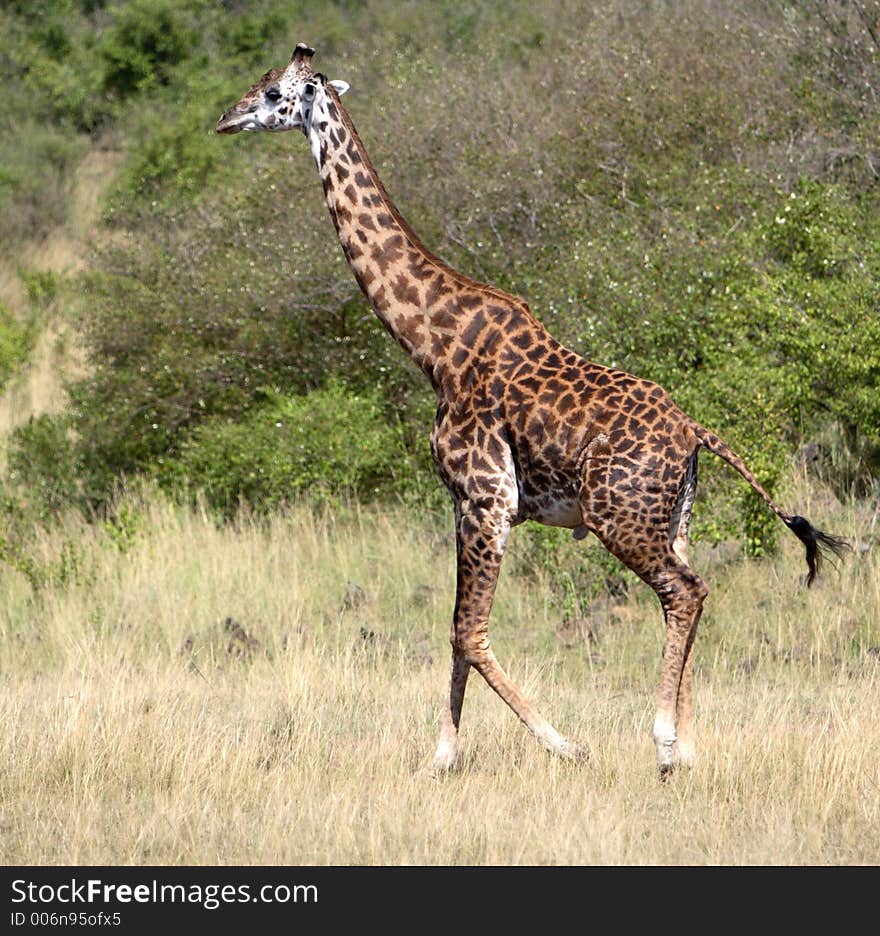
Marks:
<point>687,191</point>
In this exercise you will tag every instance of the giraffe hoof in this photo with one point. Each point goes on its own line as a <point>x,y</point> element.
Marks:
<point>575,753</point>
<point>683,753</point>
<point>666,771</point>
<point>436,770</point>
<point>430,772</point>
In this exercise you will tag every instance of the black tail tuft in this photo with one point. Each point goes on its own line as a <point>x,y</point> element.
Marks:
<point>818,544</point>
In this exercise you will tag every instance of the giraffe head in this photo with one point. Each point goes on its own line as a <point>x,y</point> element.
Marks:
<point>290,98</point>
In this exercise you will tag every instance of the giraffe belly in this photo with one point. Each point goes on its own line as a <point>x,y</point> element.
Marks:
<point>553,509</point>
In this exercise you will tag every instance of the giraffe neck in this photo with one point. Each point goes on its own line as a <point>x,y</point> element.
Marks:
<point>427,307</point>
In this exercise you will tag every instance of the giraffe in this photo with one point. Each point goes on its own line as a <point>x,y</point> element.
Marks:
<point>526,429</point>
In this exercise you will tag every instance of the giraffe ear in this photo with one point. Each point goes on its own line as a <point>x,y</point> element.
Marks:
<point>339,86</point>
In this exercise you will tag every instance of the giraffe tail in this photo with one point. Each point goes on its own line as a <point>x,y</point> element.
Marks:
<point>818,545</point>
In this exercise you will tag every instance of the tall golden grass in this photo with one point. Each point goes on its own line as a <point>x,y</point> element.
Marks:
<point>142,725</point>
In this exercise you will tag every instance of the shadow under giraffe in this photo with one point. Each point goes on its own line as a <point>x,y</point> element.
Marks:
<point>525,428</point>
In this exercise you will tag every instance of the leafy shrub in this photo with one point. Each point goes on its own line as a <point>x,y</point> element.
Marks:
<point>15,344</point>
<point>147,39</point>
<point>35,170</point>
<point>43,465</point>
<point>327,443</point>
<point>178,155</point>
<point>41,286</point>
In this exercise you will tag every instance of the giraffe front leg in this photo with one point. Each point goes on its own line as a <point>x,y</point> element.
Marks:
<point>481,538</point>
<point>548,737</point>
<point>447,746</point>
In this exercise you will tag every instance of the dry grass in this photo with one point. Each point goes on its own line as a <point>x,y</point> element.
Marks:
<point>141,728</point>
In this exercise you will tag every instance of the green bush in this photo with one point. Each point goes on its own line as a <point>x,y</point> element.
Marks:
<point>147,39</point>
<point>325,444</point>
<point>179,156</point>
<point>16,340</point>
<point>43,465</point>
<point>36,165</point>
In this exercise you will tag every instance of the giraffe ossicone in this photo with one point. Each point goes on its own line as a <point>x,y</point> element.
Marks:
<point>526,429</point>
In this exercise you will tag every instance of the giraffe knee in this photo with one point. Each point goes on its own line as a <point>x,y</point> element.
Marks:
<point>701,592</point>
<point>698,591</point>
<point>472,643</point>
<point>687,594</point>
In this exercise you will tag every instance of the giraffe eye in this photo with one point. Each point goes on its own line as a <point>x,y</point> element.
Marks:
<point>308,91</point>
<point>273,93</point>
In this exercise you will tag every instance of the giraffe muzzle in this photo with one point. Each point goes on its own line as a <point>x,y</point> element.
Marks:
<point>233,122</point>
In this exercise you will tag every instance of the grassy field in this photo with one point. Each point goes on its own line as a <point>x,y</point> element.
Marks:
<point>144,726</point>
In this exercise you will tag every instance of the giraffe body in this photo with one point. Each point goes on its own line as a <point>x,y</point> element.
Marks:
<point>526,429</point>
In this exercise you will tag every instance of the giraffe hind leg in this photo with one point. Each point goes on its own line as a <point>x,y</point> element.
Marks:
<point>684,751</point>
<point>627,518</point>
<point>681,595</point>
